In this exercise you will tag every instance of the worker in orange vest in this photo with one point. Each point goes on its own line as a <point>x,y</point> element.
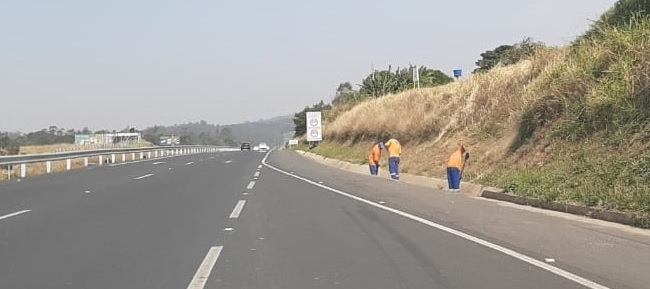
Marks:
<point>394,149</point>
<point>455,167</point>
<point>373,158</point>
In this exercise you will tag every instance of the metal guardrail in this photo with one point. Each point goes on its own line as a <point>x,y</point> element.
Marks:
<point>37,158</point>
<point>8,162</point>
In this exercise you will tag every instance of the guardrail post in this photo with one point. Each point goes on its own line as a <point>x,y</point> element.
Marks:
<point>123,158</point>
<point>85,161</point>
<point>155,154</point>
<point>23,170</point>
<point>148,155</point>
<point>112,158</point>
<point>101,160</point>
<point>68,164</point>
<point>141,155</point>
<point>48,167</point>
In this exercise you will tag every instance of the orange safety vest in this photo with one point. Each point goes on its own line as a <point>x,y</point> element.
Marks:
<point>374,155</point>
<point>456,160</point>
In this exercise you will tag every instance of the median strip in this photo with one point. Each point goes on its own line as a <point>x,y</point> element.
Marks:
<point>14,214</point>
<point>143,177</point>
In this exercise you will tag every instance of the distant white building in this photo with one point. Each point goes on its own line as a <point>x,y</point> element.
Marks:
<point>108,138</point>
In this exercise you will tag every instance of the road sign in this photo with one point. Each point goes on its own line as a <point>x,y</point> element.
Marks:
<point>314,129</point>
<point>458,73</point>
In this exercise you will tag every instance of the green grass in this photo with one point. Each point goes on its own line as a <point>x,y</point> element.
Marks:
<point>336,151</point>
<point>594,175</point>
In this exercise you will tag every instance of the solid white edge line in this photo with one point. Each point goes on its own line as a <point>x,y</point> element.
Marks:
<point>201,276</point>
<point>142,177</point>
<point>250,185</point>
<point>237,210</point>
<point>14,214</point>
<point>555,270</point>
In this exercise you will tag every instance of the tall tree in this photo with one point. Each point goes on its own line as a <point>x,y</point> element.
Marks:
<point>380,83</point>
<point>491,58</point>
<point>345,93</point>
<point>507,54</point>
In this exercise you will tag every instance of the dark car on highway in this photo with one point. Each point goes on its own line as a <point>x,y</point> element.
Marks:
<point>245,146</point>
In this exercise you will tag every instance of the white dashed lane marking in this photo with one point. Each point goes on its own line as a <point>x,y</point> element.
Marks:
<point>237,210</point>
<point>203,273</point>
<point>14,214</point>
<point>143,177</point>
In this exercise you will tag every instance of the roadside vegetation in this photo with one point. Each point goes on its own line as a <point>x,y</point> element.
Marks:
<point>568,124</point>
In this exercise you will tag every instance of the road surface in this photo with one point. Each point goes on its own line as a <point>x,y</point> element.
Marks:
<point>238,220</point>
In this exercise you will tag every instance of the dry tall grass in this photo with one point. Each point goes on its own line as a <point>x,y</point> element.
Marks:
<point>485,103</point>
<point>480,112</point>
<point>569,124</point>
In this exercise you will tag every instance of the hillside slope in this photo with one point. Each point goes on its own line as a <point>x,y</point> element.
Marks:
<point>569,124</point>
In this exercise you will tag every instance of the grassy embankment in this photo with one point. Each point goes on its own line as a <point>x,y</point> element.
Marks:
<point>569,124</point>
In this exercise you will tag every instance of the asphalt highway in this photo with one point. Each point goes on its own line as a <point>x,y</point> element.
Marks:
<point>248,220</point>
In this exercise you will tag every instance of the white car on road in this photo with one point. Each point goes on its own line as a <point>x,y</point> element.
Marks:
<point>263,147</point>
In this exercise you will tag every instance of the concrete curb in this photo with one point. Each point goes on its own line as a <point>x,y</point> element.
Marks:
<point>496,194</point>
<point>630,219</point>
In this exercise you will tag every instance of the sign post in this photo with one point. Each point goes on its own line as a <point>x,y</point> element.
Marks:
<point>314,127</point>
<point>416,77</point>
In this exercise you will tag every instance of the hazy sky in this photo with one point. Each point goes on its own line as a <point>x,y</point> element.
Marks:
<point>111,64</point>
